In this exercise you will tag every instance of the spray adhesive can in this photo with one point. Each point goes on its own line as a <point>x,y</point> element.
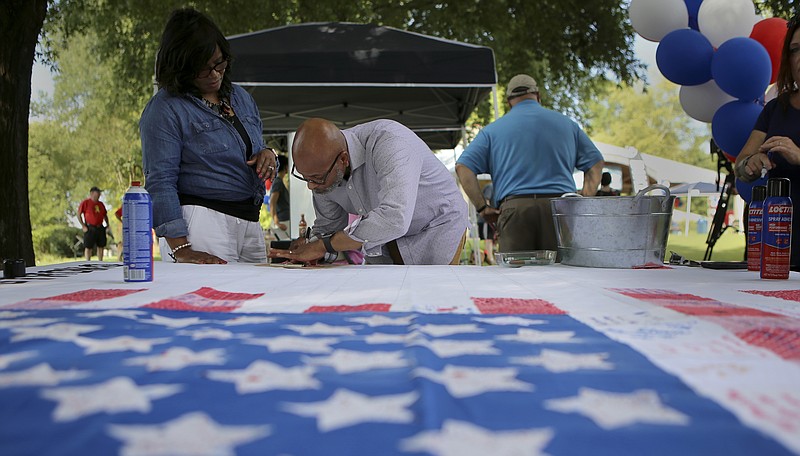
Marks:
<point>755,219</point>
<point>776,236</point>
<point>137,240</point>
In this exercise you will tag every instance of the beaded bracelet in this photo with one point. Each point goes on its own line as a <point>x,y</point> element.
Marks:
<point>182,246</point>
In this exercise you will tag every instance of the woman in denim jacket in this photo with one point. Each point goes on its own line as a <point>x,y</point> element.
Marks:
<point>205,161</point>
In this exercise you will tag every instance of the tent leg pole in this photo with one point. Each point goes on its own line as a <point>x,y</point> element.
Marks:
<point>495,103</point>
<point>473,218</point>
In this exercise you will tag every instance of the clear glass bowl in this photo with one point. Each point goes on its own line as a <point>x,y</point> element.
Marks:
<point>530,258</point>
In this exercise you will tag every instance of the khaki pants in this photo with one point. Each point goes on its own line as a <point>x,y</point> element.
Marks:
<point>526,224</point>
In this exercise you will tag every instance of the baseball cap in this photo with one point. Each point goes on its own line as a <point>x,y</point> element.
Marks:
<point>95,189</point>
<point>520,85</point>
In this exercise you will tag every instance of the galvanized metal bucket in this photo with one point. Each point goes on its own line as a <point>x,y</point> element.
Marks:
<point>613,232</point>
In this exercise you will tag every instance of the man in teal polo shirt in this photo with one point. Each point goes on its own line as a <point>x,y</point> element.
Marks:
<point>530,153</point>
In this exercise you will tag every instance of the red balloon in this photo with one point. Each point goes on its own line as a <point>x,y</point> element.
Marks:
<point>730,157</point>
<point>771,33</point>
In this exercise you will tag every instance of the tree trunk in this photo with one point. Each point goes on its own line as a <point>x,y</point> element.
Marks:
<point>20,24</point>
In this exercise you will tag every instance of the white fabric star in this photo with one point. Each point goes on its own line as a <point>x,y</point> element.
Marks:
<point>176,358</point>
<point>238,321</point>
<point>463,381</point>
<point>40,375</point>
<point>449,330</point>
<point>460,438</point>
<point>117,344</point>
<point>173,322</point>
<point>383,320</point>
<point>559,361</point>
<point>510,320</point>
<point>533,336</point>
<point>349,361</point>
<point>207,333</point>
<point>266,376</point>
<point>62,332</point>
<point>611,410</point>
<point>122,313</point>
<point>116,395</point>
<point>192,434</point>
<point>11,358</point>
<point>27,322</point>
<point>295,344</point>
<point>383,338</point>
<point>321,329</point>
<point>446,348</point>
<point>12,314</point>
<point>347,408</point>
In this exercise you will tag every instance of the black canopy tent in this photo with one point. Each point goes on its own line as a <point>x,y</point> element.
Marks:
<point>353,73</point>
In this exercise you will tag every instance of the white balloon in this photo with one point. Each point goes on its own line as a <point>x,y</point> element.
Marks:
<point>701,101</point>
<point>653,19</point>
<point>721,20</point>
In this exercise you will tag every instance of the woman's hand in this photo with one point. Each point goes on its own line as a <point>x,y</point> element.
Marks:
<point>751,167</point>
<point>187,255</point>
<point>265,163</point>
<point>784,146</point>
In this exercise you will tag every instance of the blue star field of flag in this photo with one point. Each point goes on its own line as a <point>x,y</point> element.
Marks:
<point>151,382</point>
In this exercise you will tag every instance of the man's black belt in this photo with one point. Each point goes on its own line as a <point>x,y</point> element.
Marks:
<point>531,196</point>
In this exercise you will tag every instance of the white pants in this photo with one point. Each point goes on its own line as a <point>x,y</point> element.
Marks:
<point>230,238</point>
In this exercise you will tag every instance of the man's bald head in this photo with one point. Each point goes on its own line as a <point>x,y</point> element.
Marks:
<point>316,144</point>
<point>317,153</point>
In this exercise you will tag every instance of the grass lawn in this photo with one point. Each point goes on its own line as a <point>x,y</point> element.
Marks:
<point>729,247</point>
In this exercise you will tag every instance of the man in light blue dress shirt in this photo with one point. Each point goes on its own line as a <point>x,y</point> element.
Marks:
<point>409,207</point>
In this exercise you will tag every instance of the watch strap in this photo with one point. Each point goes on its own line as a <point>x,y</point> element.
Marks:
<point>326,241</point>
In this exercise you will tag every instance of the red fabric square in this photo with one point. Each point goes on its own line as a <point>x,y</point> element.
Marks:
<point>788,295</point>
<point>656,296</point>
<point>720,311</point>
<point>516,306</point>
<point>71,299</point>
<point>344,308</point>
<point>205,300</point>
<point>210,293</point>
<point>92,294</point>
<point>784,342</point>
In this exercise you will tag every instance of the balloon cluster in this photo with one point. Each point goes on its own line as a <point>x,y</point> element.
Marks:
<point>721,54</point>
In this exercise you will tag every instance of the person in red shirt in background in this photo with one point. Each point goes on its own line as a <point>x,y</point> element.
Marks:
<point>92,214</point>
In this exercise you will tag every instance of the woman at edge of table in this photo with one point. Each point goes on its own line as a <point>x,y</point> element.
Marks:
<point>774,142</point>
<point>204,158</point>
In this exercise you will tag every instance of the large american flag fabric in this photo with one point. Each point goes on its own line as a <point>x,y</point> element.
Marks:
<point>167,382</point>
<point>196,370</point>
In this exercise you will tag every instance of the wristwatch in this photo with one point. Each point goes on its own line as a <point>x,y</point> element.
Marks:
<point>326,241</point>
<point>479,210</point>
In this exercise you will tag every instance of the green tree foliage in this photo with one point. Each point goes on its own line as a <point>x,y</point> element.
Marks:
<point>81,141</point>
<point>652,121</point>
<point>779,8</point>
<point>570,46</point>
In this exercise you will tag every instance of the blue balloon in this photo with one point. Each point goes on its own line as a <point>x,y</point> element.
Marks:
<point>693,6</point>
<point>684,57</point>
<point>741,68</point>
<point>732,124</point>
<point>745,189</point>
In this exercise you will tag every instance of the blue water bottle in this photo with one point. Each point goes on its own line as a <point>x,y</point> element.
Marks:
<point>137,240</point>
